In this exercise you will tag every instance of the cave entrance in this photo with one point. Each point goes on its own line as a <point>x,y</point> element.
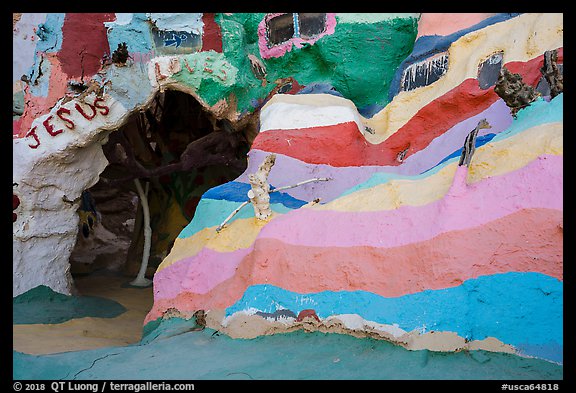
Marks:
<point>177,150</point>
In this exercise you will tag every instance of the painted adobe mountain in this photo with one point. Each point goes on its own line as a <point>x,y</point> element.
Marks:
<point>402,243</point>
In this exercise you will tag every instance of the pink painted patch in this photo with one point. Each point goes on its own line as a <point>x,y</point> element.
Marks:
<point>16,127</point>
<point>36,106</point>
<point>267,51</point>
<point>199,273</point>
<point>536,185</point>
<point>446,24</point>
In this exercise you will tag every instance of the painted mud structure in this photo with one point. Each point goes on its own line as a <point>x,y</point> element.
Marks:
<point>390,177</point>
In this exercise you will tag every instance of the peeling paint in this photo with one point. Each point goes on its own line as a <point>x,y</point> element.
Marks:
<point>190,23</point>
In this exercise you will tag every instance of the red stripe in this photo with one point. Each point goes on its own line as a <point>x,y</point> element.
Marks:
<point>343,145</point>
<point>530,70</point>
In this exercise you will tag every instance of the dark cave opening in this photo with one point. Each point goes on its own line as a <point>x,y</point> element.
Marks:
<point>177,150</point>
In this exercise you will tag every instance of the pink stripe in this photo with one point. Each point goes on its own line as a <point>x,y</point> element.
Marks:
<point>198,273</point>
<point>537,185</point>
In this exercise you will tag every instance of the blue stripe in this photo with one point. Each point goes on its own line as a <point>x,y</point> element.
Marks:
<point>520,309</point>
<point>296,25</point>
<point>481,140</point>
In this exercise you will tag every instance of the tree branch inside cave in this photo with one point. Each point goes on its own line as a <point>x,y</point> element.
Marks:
<point>152,144</point>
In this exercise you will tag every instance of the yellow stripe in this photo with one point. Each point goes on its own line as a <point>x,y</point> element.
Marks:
<point>509,154</point>
<point>396,193</point>
<point>240,233</point>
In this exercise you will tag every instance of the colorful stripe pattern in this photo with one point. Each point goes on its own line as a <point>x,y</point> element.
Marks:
<point>422,244</point>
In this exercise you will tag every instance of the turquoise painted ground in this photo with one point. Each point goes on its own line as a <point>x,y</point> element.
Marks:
<point>208,355</point>
<point>43,305</point>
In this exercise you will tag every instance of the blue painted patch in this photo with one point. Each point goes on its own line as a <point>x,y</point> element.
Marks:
<point>517,308</point>
<point>231,191</point>
<point>370,110</point>
<point>50,34</point>
<point>237,192</point>
<point>176,42</point>
<point>137,34</point>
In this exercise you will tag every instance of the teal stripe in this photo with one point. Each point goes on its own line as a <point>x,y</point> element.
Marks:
<point>539,112</point>
<point>211,355</point>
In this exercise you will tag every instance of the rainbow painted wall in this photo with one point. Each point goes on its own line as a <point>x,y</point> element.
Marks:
<point>418,251</point>
<point>401,244</point>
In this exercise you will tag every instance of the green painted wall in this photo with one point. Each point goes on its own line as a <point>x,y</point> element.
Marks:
<point>359,60</point>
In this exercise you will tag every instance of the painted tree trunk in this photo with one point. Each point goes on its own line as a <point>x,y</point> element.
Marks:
<point>260,193</point>
<point>141,280</point>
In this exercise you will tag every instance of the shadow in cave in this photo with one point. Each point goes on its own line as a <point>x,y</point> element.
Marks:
<point>177,150</point>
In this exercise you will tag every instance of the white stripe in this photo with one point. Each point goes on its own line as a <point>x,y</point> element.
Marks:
<point>291,115</point>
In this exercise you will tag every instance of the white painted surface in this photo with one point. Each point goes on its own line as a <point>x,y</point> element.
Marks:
<point>278,114</point>
<point>356,322</point>
<point>24,40</point>
<point>50,181</point>
<point>122,18</point>
<point>166,66</point>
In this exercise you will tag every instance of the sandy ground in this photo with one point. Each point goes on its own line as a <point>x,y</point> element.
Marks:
<point>90,333</point>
